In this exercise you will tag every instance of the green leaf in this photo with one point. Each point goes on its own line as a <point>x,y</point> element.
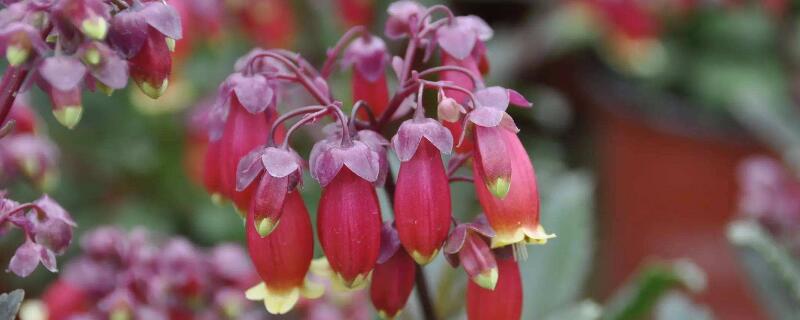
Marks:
<point>10,302</point>
<point>636,299</point>
<point>771,268</point>
<point>555,273</point>
<point>678,306</point>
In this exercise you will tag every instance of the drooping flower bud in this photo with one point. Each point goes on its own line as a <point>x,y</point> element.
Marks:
<point>283,258</point>
<point>142,34</point>
<point>368,55</point>
<point>491,120</point>
<point>467,246</point>
<point>151,66</point>
<point>403,18</point>
<point>280,172</point>
<point>393,278</point>
<point>504,302</point>
<point>422,196</point>
<point>18,40</point>
<point>515,217</point>
<point>348,221</point>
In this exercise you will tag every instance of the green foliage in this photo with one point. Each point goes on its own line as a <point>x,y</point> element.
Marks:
<point>9,303</point>
<point>772,269</point>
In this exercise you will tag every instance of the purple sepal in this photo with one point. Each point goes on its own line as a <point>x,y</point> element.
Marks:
<point>112,69</point>
<point>517,99</point>
<point>403,16</point>
<point>253,91</point>
<point>377,143</point>
<point>278,163</point>
<point>28,256</point>
<point>53,234</point>
<point>455,241</point>
<point>390,243</point>
<point>460,38</point>
<point>329,155</point>
<point>491,109</point>
<point>62,72</point>
<point>13,30</point>
<point>128,30</point>
<point>163,18</point>
<point>457,40</point>
<point>53,210</point>
<point>411,132</point>
<point>369,57</point>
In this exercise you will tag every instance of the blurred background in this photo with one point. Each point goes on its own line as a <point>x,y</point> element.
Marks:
<point>665,135</point>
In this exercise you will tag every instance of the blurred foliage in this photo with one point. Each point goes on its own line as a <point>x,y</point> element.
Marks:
<point>774,271</point>
<point>10,303</point>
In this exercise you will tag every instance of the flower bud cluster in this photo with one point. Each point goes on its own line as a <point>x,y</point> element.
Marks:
<point>97,44</point>
<point>251,162</point>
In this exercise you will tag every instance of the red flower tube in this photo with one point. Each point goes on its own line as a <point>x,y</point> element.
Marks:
<point>515,217</point>
<point>504,302</point>
<point>368,55</point>
<point>422,196</point>
<point>349,224</point>
<point>393,277</point>
<point>283,258</point>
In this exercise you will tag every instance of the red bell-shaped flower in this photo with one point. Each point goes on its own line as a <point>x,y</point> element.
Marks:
<point>151,66</point>
<point>422,196</point>
<point>241,121</point>
<point>502,303</point>
<point>283,258</point>
<point>393,277</point>
<point>357,12</point>
<point>349,227</point>
<point>515,217</point>
<point>63,300</point>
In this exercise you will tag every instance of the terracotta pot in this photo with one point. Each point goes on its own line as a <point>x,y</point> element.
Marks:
<point>667,185</point>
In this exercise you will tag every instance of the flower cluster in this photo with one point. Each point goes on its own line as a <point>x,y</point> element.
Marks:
<point>47,228</point>
<point>132,276</point>
<point>99,44</point>
<point>250,161</point>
